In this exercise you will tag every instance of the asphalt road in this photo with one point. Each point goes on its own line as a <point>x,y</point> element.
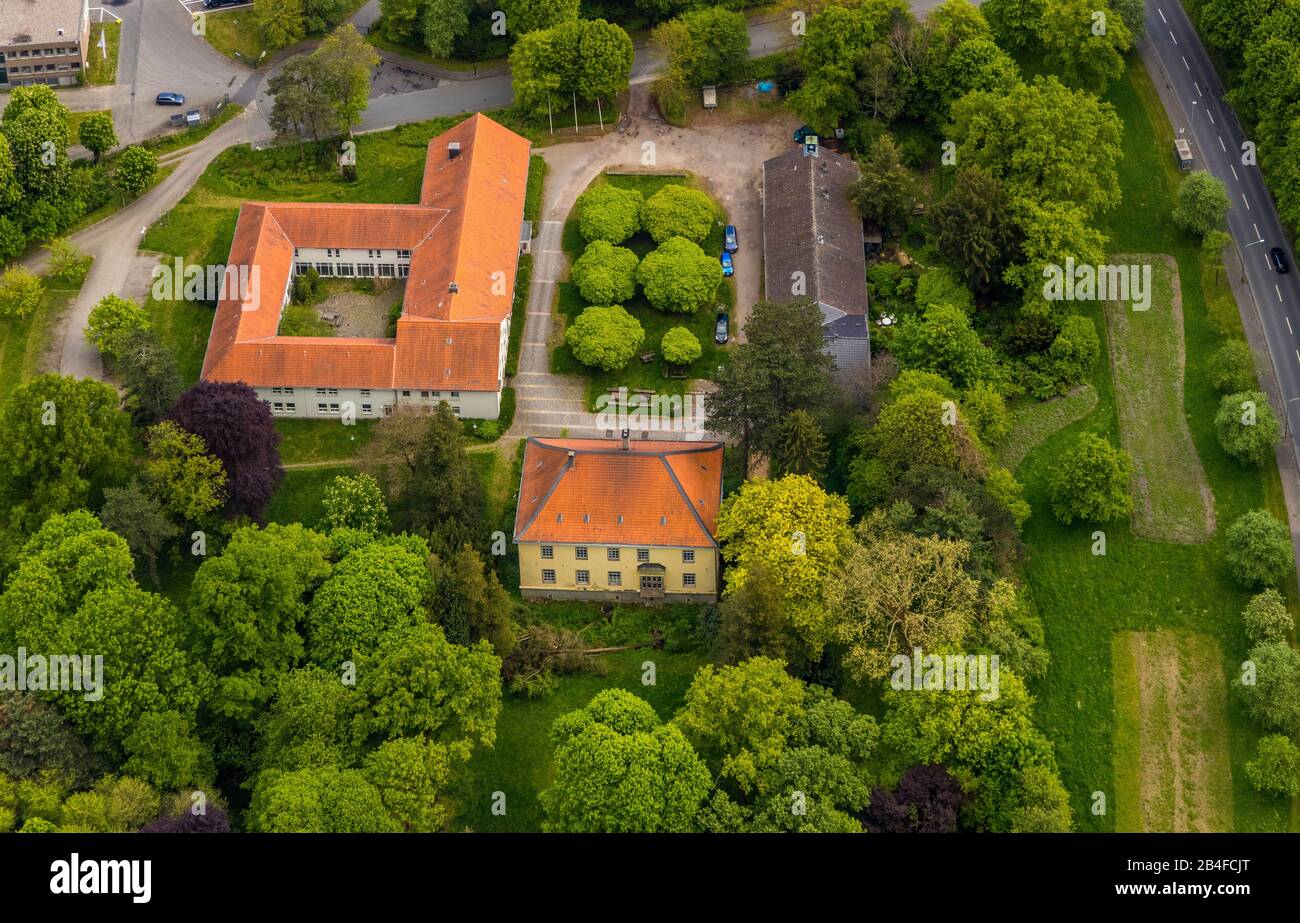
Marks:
<point>1252,217</point>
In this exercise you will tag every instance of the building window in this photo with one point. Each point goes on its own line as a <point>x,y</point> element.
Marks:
<point>688,580</point>
<point>320,390</point>
<point>403,254</point>
<point>321,408</point>
<point>548,551</point>
<point>580,553</point>
<point>386,270</point>
<point>582,577</point>
<point>332,391</point>
<point>366,270</point>
<point>406,394</point>
<point>424,394</point>
<point>325,269</point>
<point>300,268</point>
<point>365,408</point>
<point>456,411</point>
<point>611,554</point>
<point>346,270</point>
<point>643,555</point>
<point>403,270</point>
<point>291,407</point>
<point>365,392</point>
<point>615,578</point>
<point>688,557</point>
<point>455,394</point>
<point>277,407</point>
<point>548,575</point>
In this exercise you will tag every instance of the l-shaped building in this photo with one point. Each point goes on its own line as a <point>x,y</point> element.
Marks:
<point>458,250</point>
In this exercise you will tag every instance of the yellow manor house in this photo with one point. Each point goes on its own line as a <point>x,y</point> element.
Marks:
<point>607,520</point>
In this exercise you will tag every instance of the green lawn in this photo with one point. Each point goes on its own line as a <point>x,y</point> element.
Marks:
<point>1036,421</point>
<point>520,763</point>
<point>25,341</point>
<point>649,376</point>
<point>321,440</point>
<point>1138,584</point>
<point>101,70</point>
<point>299,497</point>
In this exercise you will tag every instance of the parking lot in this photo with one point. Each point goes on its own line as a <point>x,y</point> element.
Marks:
<point>196,6</point>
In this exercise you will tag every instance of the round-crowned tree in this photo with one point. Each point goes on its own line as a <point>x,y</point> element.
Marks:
<point>1202,203</point>
<point>1269,686</point>
<point>1266,617</point>
<point>679,276</point>
<point>605,274</point>
<point>236,426</point>
<point>680,347</point>
<point>1232,367</point>
<point>1258,549</point>
<point>1246,427</point>
<point>676,211</point>
<point>1091,482</point>
<point>1276,766</point>
<point>609,213</point>
<point>605,337</point>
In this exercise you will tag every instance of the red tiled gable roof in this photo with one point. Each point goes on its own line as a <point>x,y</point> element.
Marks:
<point>464,231</point>
<point>653,493</point>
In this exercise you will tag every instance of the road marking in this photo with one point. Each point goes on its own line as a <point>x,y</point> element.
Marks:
<point>1198,88</point>
<point>1258,236</point>
<point>1297,354</point>
<point>1243,198</point>
<point>1288,326</point>
<point>1234,173</point>
<point>1221,144</point>
<point>1162,15</point>
<point>1186,65</point>
<point>1278,290</point>
<point>1211,115</point>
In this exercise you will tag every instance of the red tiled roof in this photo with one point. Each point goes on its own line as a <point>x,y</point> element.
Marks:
<point>464,231</point>
<point>652,493</point>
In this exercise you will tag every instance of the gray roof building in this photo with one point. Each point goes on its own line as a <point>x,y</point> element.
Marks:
<point>43,41</point>
<point>813,248</point>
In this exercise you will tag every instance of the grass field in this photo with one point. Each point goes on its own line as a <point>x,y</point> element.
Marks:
<point>1035,422</point>
<point>1141,585</point>
<point>637,374</point>
<point>26,341</point>
<point>1171,734</point>
<point>1171,501</point>
<point>101,70</point>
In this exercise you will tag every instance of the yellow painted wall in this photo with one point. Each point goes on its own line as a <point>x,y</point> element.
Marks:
<point>565,563</point>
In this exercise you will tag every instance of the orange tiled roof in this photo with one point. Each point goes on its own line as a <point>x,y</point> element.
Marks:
<point>464,231</point>
<point>652,493</point>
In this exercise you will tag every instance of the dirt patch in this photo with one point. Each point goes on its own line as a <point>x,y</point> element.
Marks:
<point>1172,498</point>
<point>1172,768</point>
<point>360,314</point>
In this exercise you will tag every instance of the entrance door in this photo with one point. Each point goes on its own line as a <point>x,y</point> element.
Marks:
<point>652,585</point>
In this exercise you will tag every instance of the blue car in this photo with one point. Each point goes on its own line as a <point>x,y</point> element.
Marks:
<point>170,99</point>
<point>727,267</point>
<point>730,243</point>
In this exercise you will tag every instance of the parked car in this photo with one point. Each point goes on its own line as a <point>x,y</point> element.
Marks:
<point>218,4</point>
<point>170,99</point>
<point>727,267</point>
<point>730,244</point>
<point>1277,257</point>
<point>721,329</point>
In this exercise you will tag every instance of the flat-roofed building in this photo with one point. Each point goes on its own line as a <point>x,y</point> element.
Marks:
<point>43,41</point>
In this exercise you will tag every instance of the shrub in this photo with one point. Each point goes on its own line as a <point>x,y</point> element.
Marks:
<point>1266,618</point>
<point>680,347</point>
<point>986,412</point>
<point>1074,352</point>
<point>1276,766</point>
<point>20,292</point>
<point>113,322</point>
<point>608,213</point>
<point>605,337</point>
<point>678,211</point>
<point>1232,367</point>
<point>1270,689</point>
<point>1091,482</point>
<point>605,274</point>
<point>1258,549</point>
<point>1246,427</point>
<point>941,286</point>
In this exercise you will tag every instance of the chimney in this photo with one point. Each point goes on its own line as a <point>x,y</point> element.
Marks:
<point>572,457</point>
<point>453,150</point>
<point>625,438</point>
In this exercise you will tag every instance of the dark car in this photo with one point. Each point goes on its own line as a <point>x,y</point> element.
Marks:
<point>1277,257</point>
<point>218,4</point>
<point>721,329</point>
<point>728,268</point>
<point>730,243</point>
<point>170,99</point>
